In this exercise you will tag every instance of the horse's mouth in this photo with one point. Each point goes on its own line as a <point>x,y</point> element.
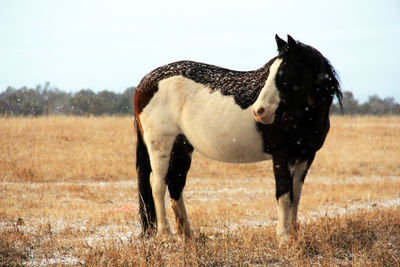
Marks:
<point>267,118</point>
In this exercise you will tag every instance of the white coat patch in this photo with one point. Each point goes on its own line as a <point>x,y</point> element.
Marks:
<point>213,123</point>
<point>269,95</point>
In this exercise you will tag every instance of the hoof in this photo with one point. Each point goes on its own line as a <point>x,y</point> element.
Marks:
<point>146,234</point>
<point>188,234</point>
<point>164,235</point>
<point>164,232</point>
<point>186,231</point>
<point>295,226</point>
<point>282,236</point>
<point>283,241</point>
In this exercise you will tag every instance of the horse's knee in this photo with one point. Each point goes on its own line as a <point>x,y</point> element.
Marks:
<point>158,185</point>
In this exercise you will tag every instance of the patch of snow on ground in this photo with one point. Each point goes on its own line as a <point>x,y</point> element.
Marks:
<point>333,210</point>
<point>129,233</point>
<point>371,124</point>
<point>56,260</point>
<point>352,180</point>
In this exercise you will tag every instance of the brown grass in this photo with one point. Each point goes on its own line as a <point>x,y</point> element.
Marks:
<point>63,180</point>
<point>48,149</point>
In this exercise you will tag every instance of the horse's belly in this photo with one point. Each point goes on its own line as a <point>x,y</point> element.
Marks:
<point>231,150</point>
<point>221,130</point>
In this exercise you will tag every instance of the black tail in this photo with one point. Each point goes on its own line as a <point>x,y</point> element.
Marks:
<point>147,210</point>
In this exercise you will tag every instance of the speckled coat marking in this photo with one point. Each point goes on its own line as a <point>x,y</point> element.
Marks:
<point>244,86</point>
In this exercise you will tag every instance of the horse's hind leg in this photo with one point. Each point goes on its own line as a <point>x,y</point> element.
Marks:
<point>160,147</point>
<point>179,164</point>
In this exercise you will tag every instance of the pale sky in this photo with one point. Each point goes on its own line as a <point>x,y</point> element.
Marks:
<point>93,44</point>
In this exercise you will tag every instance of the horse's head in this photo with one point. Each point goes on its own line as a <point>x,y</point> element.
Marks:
<point>300,79</point>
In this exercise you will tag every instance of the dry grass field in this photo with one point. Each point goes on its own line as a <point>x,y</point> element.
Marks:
<point>68,196</point>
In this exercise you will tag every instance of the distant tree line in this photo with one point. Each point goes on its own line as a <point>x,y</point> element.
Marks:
<point>374,106</point>
<point>44,100</point>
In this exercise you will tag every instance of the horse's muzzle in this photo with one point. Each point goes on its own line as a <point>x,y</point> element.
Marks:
<point>264,115</point>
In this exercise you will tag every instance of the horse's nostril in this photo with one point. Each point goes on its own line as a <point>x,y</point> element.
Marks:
<point>260,111</point>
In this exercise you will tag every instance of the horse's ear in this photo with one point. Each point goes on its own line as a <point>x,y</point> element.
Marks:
<point>291,42</point>
<point>280,43</point>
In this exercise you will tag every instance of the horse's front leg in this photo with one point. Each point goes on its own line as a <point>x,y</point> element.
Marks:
<point>284,193</point>
<point>298,171</point>
<point>289,178</point>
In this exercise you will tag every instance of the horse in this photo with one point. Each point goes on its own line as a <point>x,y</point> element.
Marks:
<point>279,111</point>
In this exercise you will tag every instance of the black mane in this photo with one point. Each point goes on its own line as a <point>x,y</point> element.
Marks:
<point>327,75</point>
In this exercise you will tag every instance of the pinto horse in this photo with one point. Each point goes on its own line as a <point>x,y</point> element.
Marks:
<point>278,112</point>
